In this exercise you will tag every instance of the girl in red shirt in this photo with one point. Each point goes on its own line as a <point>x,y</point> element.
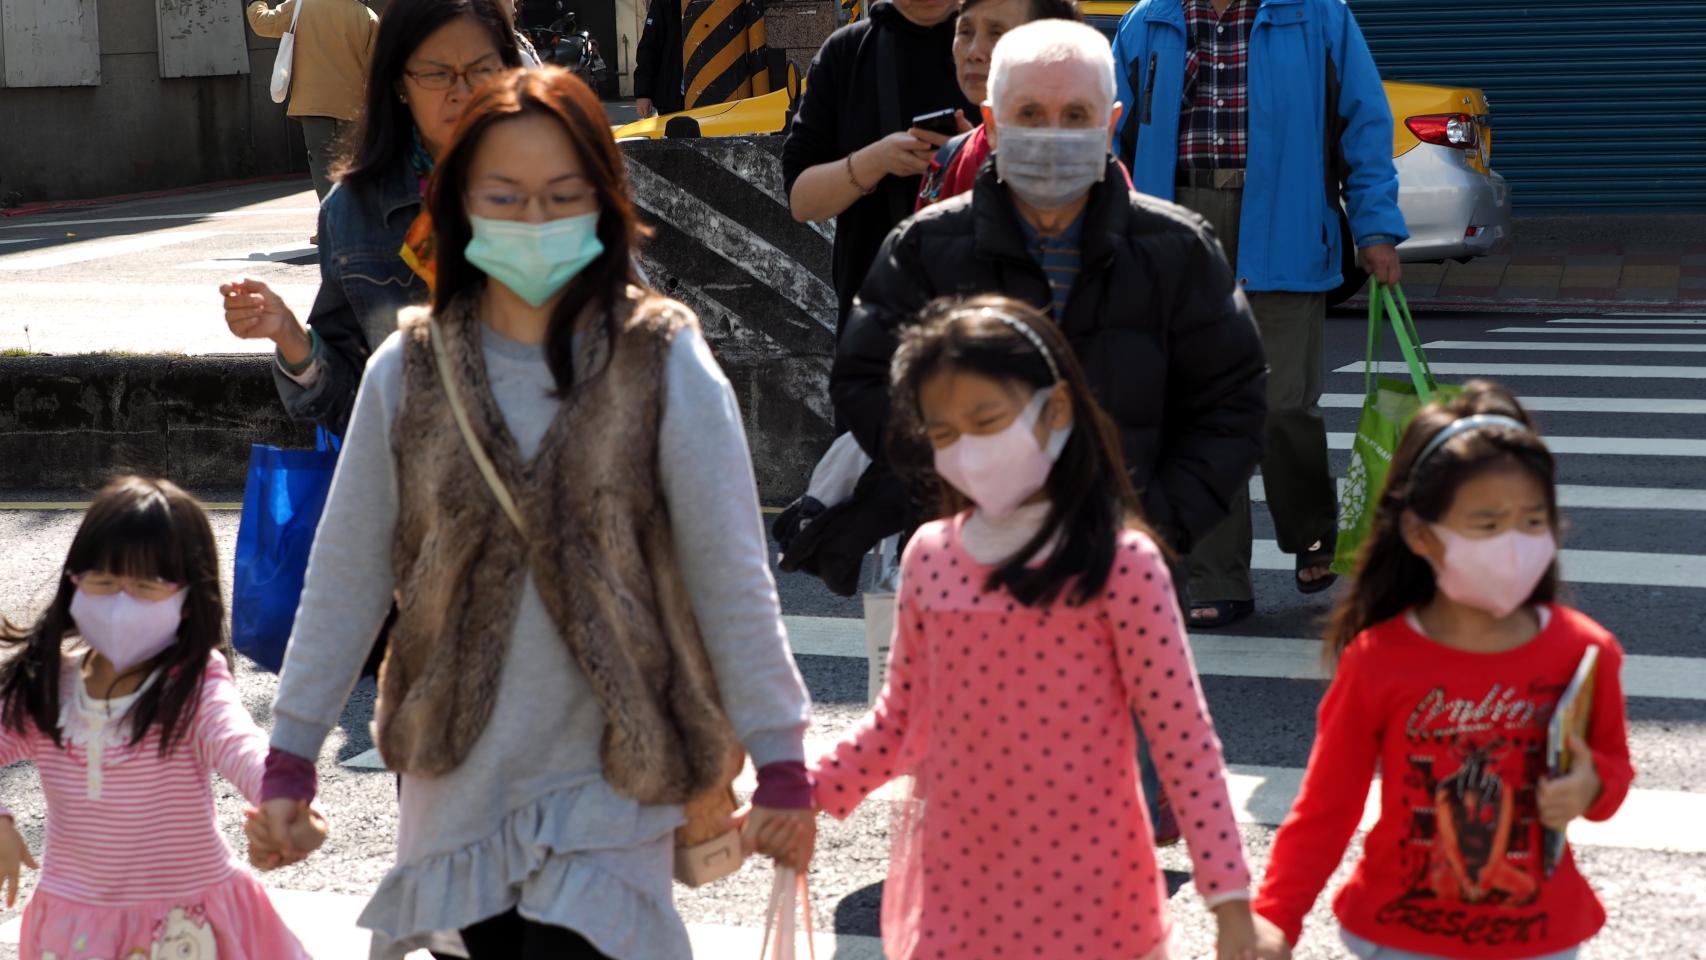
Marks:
<point>1450,654</point>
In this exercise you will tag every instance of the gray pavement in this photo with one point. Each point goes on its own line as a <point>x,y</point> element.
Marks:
<point>1634,491</point>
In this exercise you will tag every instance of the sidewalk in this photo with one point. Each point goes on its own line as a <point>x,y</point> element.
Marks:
<point>1637,274</point>
<point>325,923</point>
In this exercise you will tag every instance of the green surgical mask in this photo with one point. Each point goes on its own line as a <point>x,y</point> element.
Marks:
<point>534,260</point>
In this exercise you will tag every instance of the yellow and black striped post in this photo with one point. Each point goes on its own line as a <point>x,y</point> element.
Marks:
<point>724,53</point>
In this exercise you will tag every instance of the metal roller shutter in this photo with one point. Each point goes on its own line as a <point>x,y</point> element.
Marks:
<point>1597,105</point>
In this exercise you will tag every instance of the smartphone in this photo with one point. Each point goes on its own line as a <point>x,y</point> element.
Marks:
<point>945,122</point>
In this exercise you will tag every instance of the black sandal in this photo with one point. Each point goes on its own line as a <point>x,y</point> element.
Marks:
<point>1318,555</point>
<point>1224,613</point>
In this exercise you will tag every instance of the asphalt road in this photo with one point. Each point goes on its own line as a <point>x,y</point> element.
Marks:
<point>1625,396</point>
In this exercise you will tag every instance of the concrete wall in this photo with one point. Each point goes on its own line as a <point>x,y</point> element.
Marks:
<point>136,131</point>
<point>724,244</point>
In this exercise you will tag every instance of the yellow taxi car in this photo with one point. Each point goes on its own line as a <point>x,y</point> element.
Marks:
<point>1455,205</point>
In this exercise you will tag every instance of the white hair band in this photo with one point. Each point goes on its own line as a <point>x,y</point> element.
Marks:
<point>1025,331</point>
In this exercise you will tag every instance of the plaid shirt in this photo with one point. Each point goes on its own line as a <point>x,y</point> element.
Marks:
<point>1213,127</point>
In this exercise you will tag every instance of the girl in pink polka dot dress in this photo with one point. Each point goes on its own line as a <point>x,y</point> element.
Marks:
<point>1027,629</point>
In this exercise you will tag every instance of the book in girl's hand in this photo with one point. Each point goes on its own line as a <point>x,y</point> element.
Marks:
<point>1569,718</point>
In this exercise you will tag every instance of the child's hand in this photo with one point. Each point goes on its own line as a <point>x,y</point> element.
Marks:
<point>787,836</point>
<point>309,831</point>
<point>1569,796</point>
<point>1236,939</point>
<point>1271,943</point>
<point>14,856</point>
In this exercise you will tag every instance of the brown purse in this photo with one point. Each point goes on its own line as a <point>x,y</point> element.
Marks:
<point>705,848</point>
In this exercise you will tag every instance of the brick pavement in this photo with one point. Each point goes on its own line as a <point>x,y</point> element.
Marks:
<point>1642,275</point>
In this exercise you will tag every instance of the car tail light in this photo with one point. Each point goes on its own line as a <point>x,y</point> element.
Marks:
<point>1446,129</point>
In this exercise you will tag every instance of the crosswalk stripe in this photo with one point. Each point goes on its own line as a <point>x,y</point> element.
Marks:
<point>1554,346</point>
<point>1274,658</point>
<point>1263,795</point>
<point>1577,497</point>
<point>1613,446</point>
<point>1498,370</point>
<point>99,249</point>
<point>1579,566</point>
<point>1642,405</point>
<point>1678,319</point>
<point>1615,331</point>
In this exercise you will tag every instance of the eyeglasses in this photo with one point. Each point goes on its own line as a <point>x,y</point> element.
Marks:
<point>443,78</point>
<point>142,588</point>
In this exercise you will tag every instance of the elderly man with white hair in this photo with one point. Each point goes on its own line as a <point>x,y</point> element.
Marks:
<point>1138,285</point>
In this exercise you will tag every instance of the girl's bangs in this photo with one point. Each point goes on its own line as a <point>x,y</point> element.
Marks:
<point>133,539</point>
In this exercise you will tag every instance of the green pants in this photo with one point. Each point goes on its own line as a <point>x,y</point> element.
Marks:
<point>1299,485</point>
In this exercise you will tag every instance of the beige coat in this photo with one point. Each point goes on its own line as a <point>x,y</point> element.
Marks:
<point>334,45</point>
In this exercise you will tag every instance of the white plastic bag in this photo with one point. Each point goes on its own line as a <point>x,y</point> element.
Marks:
<point>286,55</point>
<point>789,894</point>
<point>879,637</point>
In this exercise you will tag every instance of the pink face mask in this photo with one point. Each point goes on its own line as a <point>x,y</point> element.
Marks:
<point>1495,574</point>
<point>1000,471</point>
<point>126,630</point>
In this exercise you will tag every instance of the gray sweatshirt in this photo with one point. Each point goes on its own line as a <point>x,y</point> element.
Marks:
<point>528,819</point>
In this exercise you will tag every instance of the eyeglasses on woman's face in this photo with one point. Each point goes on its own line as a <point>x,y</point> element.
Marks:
<point>96,583</point>
<point>443,76</point>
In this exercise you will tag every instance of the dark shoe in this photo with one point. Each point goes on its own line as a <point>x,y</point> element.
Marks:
<point>1166,825</point>
<point>1214,614</point>
<point>1319,554</point>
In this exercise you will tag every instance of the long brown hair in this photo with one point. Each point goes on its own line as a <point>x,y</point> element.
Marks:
<point>135,527</point>
<point>1389,577</point>
<point>562,96</point>
<point>1090,494</point>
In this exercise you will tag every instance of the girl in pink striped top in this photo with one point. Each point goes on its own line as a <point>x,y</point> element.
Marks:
<point>1028,627</point>
<point>124,728</point>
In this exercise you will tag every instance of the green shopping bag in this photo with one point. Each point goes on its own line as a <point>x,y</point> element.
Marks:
<point>1388,404</point>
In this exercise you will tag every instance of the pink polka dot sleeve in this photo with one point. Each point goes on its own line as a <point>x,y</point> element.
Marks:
<point>1161,681</point>
<point>887,742</point>
<point>227,739</point>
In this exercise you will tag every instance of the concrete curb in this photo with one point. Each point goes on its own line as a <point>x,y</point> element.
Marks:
<point>49,206</point>
<point>69,422</point>
<point>1496,305</point>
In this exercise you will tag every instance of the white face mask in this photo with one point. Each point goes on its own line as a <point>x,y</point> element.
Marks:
<point>1050,167</point>
<point>1496,574</point>
<point>1000,471</point>
<point>125,630</point>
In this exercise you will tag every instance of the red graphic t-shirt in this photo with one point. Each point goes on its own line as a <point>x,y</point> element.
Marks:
<point>1453,867</point>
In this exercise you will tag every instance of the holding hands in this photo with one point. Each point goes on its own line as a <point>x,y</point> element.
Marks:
<point>1271,943</point>
<point>282,832</point>
<point>14,856</point>
<point>787,836</point>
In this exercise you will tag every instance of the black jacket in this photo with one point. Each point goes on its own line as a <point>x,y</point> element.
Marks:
<point>657,58</point>
<point>843,109</point>
<point>1167,341</point>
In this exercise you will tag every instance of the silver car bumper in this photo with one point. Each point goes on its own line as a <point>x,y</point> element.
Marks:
<point>1452,210</point>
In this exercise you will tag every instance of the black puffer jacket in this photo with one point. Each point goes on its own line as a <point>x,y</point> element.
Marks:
<point>1166,340</point>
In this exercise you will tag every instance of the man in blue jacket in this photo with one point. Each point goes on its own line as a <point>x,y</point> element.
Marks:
<point>1259,114</point>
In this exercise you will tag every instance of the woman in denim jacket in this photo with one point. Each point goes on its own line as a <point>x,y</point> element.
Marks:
<point>375,245</point>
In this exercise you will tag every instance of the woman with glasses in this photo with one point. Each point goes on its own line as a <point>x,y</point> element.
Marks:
<point>375,244</point>
<point>547,469</point>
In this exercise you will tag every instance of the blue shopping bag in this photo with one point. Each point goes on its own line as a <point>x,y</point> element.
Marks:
<point>282,502</point>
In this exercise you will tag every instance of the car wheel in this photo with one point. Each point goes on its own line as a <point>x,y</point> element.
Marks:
<point>1355,278</point>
